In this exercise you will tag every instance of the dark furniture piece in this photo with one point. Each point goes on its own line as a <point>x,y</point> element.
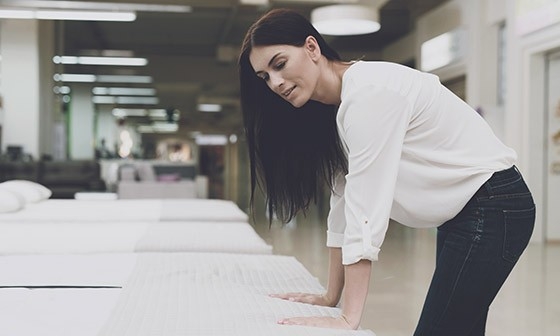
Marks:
<point>63,178</point>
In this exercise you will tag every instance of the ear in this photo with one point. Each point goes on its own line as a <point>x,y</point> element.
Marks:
<point>312,47</point>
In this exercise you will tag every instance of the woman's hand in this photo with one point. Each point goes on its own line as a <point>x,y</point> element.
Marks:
<point>319,321</point>
<point>314,299</point>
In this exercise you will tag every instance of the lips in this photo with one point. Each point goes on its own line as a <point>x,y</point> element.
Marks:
<point>287,92</point>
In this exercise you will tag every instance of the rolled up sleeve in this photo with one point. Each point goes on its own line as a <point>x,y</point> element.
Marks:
<point>373,124</point>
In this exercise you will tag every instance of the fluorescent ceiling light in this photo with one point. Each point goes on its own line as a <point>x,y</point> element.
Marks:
<point>158,128</point>
<point>125,100</point>
<point>209,107</point>
<point>131,112</point>
<point>158,113</point>
<point>165,127</point>
<point>61,90</point>
<point>122,113</point>
<point>211,140</point>
<point>145,129</point>
<point>90,60</point>
<point>101,78</point>
<point>254,2</point>
<point>120,91</point>
<point>78,78</point>
<point>340,20</point>
<point>84,15</point>
<point>124,79</point>
<point>9,13</point>
<point>91,5</point>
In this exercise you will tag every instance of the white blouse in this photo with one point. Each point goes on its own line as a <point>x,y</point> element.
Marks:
<point>416,154</point>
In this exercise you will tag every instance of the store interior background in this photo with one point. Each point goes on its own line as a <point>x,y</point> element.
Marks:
<point>499,56</point>
<point>502,57</point>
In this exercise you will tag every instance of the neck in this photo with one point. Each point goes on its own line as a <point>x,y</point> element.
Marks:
<point>329,86</point>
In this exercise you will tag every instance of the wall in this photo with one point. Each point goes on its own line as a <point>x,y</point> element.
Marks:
<point>525,106</point>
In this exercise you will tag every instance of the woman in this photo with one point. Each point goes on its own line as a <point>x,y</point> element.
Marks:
<point>391,142</point>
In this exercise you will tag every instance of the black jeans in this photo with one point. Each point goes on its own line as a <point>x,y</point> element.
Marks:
<point>476,252</point>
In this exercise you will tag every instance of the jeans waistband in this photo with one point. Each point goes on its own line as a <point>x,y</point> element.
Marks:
<point>499,179</point>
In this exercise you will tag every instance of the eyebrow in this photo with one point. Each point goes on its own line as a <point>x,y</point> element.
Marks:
<point>269,62</point>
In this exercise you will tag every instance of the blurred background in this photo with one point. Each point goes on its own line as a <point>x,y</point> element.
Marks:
<point>95,93</point>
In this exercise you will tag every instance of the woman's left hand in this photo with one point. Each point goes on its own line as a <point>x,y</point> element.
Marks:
<point>318,321</point>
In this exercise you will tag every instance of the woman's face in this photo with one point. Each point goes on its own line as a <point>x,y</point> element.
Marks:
<point>291,72</point>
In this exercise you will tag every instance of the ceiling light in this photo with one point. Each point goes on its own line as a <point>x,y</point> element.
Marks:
<point>125,100</point>
<point>84,15</point>
<point>154,114</point>
<point>162,127</point>
<point>211,140</point>
<point>89,60</point>
<point>120,91</point>
<point>15,13</point>
<point>102,6</point>
<point>61,90</point>
<point>158,114</point>
<point>122,113</point>
<point>89,78</point>
<point>209,107</point>
<point>158,128</point>
<point>340,20</point>
<point>78,78</point>
<point>123,79</point>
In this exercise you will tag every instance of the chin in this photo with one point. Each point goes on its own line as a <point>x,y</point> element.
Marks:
<point>298,103</point>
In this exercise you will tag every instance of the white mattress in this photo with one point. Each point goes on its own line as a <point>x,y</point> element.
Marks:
<point>201,209</point>
<point>55,312</point>
<point>215,294</point>
<point>141,210</point>
<point>48,237</point>
<point>231,237</point>
<point>91,270</point>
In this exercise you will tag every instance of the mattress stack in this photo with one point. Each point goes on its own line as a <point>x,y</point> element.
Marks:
<point>104,268</point>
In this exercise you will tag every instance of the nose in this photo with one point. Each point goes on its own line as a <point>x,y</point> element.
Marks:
<point>276,82</point>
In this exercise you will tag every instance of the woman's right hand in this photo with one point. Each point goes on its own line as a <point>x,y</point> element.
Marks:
<point>314,299</point>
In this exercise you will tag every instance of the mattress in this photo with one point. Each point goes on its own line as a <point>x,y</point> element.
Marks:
<point>49,237</point>
<point>55,312</point>
<point>215,294</point>
<point>201,209</point>
<point>64,271</point>
<point>141,210</point>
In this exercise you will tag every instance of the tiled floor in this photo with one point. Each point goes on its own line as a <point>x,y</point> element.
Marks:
<point>528,304</point>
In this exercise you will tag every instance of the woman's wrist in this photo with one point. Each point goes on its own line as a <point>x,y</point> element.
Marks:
<point>330,300</point>
<point>353,321</point>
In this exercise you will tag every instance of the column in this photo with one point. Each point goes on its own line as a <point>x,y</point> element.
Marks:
<point>81,138</point>
<point>26,71</point>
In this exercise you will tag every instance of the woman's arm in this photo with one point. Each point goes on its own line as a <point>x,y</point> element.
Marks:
<point>356,282</point>
<point>336,276</point>
<point>355,291</point>
<point>334,286</point>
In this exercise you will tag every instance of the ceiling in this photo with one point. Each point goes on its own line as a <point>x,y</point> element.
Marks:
<point>192,56</point>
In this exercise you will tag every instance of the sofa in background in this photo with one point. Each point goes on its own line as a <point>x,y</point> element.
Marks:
<point>63,178</point>
<point>152,179</point>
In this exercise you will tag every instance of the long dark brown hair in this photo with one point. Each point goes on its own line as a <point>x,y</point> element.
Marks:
<point>293,152</point>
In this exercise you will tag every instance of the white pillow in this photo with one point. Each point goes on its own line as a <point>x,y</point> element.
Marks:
<point>31,192</point>
<point>10,201</point>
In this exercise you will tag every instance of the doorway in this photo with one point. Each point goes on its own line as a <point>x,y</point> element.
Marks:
<point>552,151</point>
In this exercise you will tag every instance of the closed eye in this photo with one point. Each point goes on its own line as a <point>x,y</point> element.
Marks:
<point>280,65</point>
<point>264,76</point>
